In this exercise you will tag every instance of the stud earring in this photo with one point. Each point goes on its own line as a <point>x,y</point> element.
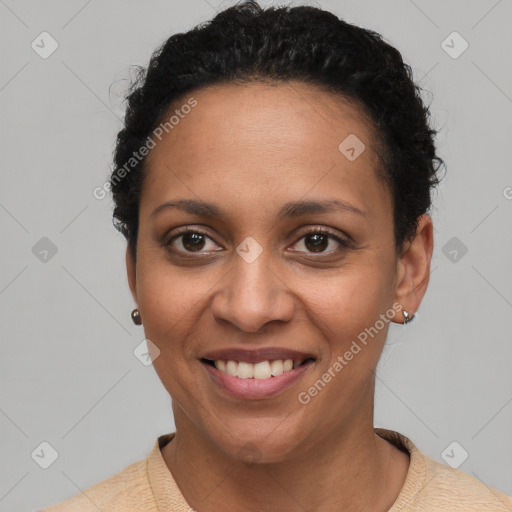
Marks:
<point>407,317</point>
<point>137,320</point>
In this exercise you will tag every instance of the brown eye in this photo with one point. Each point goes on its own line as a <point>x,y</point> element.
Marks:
<point>316,242</point>
<point>320,241</point>
<point>191,240</point>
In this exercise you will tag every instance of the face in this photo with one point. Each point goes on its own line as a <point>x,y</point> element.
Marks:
<point>291,259</point>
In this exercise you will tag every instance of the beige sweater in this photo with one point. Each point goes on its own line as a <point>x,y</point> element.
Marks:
<point>148,485</point>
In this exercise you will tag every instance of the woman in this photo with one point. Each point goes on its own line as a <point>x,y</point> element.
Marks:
<point>273,181</point>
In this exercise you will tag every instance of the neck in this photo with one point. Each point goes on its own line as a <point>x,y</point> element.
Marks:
<point>353,470</point>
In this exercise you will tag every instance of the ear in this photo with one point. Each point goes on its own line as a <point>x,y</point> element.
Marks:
<point>413,267</point>
<point>131,272</point>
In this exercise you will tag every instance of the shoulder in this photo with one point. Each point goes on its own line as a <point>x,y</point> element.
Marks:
<point>127,490</point>
<point>430,485</point>
<point>452,489</point>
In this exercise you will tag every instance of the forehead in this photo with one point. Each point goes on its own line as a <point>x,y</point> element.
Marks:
<point>265,142</point>
<point>278,113</point>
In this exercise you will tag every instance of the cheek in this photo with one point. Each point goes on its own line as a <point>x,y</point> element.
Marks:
<point>168,295</point>
<point>351,301</point>
<point>169,302</point>
<point>348,313</point>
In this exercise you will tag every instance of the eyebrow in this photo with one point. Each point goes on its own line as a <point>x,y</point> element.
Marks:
<point>289,210</point>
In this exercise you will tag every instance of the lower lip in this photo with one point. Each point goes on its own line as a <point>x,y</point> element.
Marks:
<point>256,388</point>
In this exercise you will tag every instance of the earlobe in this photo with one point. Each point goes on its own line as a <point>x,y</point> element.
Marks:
<point>131,273</point>
<point>413,267</point>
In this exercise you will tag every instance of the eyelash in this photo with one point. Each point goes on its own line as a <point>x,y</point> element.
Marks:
<point>315,231</point>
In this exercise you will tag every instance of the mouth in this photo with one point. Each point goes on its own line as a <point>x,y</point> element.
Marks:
<point>256,374</point>
<point>262,370</point>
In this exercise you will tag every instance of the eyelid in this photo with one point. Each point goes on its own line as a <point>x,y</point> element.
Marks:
<point>343,240</point>
<point>183,231</point>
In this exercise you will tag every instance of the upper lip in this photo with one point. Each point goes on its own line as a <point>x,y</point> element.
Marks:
<point>256,355</point>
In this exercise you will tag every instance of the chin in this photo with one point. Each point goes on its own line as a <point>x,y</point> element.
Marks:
<point>265,445</point>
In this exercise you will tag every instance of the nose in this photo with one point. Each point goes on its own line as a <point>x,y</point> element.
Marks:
<point>253,294</point>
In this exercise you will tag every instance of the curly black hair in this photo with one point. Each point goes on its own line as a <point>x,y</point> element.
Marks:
<point>246,43</point>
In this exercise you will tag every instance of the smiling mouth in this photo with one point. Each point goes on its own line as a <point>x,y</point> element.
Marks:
<point>262,370</point>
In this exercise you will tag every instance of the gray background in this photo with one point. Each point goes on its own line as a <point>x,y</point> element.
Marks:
<point>68,373</point>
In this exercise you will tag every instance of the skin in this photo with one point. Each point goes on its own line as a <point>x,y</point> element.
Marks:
<point>250,149</point>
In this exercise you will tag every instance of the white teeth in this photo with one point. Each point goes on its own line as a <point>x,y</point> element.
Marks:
<point>276,367</point>
<point>245,370</point>
<point>231,368</point>
<point>263,370</point>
